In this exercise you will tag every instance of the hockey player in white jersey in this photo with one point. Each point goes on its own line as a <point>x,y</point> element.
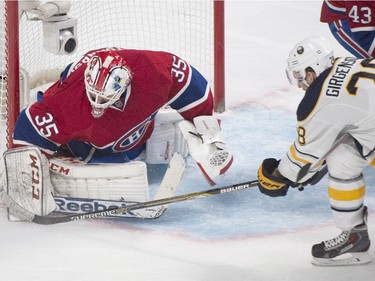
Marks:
<point>339,99</point>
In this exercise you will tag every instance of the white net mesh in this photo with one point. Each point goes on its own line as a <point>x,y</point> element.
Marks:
<point>181,27</point>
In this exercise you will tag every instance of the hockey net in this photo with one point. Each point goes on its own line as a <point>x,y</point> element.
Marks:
<point>194,30</point>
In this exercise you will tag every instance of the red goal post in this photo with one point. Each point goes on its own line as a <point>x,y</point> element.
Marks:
<point>192,29</point>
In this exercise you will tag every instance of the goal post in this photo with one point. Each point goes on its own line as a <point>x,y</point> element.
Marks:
<point>219,56</point>
<point>192,29</point>
<point>10,71</point>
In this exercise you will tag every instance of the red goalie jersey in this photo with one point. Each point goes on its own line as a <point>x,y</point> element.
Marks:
<point>353,25</point>
<point>63,116</point>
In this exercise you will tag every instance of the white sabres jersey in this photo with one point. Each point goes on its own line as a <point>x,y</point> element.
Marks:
<point>340,100</point>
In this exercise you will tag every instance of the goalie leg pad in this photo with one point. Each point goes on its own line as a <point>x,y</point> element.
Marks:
<point>121,182</point>
<point>167,188</point>
<point>28,181</point>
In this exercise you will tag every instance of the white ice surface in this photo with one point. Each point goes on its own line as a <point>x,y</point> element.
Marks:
<point>241,236</point>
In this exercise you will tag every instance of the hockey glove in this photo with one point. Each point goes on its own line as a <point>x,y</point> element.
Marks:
<point>271,185</point>
<point>207,147</point>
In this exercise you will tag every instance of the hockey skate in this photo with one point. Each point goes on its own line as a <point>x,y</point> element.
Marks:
<point>349,248</point>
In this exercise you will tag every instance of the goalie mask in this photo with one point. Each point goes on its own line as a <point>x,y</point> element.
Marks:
<point>314,52</point>
<point>106,79</point>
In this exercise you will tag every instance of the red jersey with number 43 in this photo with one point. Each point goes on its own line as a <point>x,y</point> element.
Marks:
<point>359,14</point>
<point>353,25</point>
<point>64,114</point>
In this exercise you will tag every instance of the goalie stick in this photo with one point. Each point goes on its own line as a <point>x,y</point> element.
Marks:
<point>311,166</point>
<point>98,214</point>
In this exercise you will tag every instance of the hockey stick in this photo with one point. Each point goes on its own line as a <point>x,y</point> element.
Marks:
<point>311,166</point>
<point>97,214</point>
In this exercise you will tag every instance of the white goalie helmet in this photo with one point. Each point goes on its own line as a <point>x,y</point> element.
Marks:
<point>106,79</point>
<point>314,52</point>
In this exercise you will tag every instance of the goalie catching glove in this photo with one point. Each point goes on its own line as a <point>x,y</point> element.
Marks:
<point>206,146</point>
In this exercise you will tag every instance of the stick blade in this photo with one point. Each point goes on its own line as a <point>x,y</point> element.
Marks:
<point>46,220</point>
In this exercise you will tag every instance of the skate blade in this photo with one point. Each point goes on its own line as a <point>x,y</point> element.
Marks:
<point>343,260</point>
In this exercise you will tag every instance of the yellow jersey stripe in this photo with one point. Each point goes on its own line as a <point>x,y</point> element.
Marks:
<point>346,195</point>
<point>293,154</point>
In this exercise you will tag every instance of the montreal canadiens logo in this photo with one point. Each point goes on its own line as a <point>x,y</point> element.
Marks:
<point>131,139</point>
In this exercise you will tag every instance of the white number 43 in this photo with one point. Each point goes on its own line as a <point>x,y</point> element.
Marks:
<point>360,15</point>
